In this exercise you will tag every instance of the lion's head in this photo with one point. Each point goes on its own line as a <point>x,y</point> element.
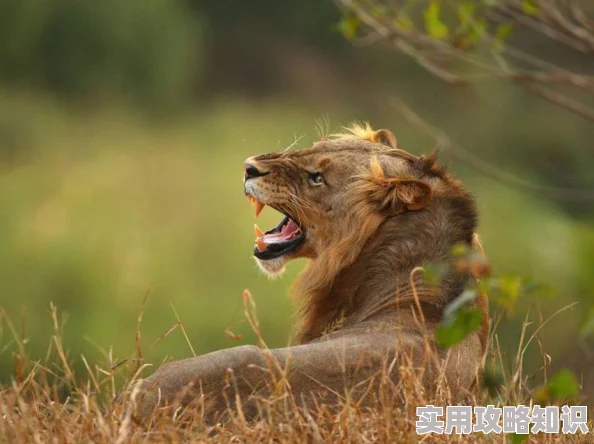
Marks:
<point>355,202</point>
<point>334,194</point>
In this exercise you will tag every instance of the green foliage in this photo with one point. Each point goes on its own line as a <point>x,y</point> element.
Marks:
<point>530,7</point>
<point>142,50</point>
<point>466,13</point>
<point>348,26</point>
<point>502,33</point>
<point>379,11</point>
<point>459,320</point>
<point>492,380</point>
<point>452,309</point>
<point>507,290</point>
<point>434,26</point>
<point>460,250</point>
<point>517,438</point>
<point>466,27</point>
<point>434,273</point>
<point>472,25</point>
<point>462,323</point>
<point>562,387</point>
<point>403,22</point>
<point>478,30</point>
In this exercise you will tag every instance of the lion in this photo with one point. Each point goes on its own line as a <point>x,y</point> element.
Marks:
<point>367,216</point>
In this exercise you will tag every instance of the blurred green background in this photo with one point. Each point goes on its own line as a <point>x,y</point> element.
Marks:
<point>123,130</point>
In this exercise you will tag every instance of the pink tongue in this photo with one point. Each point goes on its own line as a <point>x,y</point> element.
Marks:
<point>282,236</point>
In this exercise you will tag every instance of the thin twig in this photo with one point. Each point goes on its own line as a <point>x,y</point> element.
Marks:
<point>550,21</point>
<point>484,167</point>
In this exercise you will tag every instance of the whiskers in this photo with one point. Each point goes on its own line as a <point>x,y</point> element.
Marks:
<point>297,204</point>
<point>322,127</point>
<point>295,142</point>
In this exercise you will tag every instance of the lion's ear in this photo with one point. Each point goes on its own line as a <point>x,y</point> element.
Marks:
<point>414,194</point>
<point>398,195</point>
<point>385,137</point>
<point>395,195</point>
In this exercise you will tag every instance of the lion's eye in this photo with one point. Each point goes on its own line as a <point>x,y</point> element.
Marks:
<point>316,178</point>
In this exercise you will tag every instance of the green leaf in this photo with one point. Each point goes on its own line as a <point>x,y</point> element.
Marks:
<point>457,304</point>
<point>562,386</point>
<point>349,27</point>
<point>508,292</point>
<point>516,438</point>
<point>403,22</point>
<point>472,27</point>
<point>530,7</point>
<point>502,32</point>
<point>477,30</point>
<point>460,250</point>
<point>433,24</point>
<point>434,273</point>
<point>379,11</point>
<point>466,13</point>
<point>492,380</point>
<point>464,322</point>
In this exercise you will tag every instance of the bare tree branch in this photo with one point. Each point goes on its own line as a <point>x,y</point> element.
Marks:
<point>561,21</point>
<point>545,29</point>
<point>563,101</point>
<point>448,145</point>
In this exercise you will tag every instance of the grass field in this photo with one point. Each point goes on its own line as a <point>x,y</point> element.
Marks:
<point>49,401</point>
<point>106,215</point>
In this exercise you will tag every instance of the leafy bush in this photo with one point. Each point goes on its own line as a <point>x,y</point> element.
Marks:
<point>146,50</point>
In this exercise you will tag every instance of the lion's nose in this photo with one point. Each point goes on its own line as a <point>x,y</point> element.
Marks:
<point>252,170</point>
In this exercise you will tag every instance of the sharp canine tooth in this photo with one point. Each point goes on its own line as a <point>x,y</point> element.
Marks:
<point>258,207</point>
<point>257,231</point>
<point>260,244</point>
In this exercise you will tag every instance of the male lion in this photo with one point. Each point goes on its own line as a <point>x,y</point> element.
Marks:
<point>367,215</point>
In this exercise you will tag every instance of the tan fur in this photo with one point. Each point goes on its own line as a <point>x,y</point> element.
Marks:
<point>380,214</point>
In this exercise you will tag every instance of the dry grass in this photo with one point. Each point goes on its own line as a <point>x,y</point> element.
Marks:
<point>48,402</point>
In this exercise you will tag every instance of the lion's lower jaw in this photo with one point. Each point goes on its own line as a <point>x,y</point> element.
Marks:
<point>273,268</point>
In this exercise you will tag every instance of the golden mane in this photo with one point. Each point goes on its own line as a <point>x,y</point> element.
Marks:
<point>364,131</point>
<point>355,130</point>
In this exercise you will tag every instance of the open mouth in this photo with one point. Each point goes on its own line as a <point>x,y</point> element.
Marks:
<point>286,237</point>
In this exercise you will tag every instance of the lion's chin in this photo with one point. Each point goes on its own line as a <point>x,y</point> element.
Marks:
<point>273,268</point>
